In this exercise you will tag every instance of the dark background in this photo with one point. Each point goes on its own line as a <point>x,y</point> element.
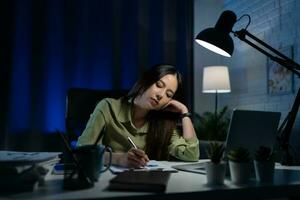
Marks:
<point>49,46</point>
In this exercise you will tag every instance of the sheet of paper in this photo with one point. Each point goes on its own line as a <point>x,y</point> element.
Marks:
<point>198,168</point>
<point>152,165</point>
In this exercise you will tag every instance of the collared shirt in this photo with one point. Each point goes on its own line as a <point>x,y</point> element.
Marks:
<point>113,116</point>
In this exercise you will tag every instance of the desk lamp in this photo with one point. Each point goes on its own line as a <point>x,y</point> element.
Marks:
<point>218,40</point>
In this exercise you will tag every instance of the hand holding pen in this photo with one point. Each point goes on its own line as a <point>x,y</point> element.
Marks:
<point>136,157</point>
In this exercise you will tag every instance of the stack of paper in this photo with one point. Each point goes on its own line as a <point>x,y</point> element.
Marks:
<point>18,158</point>
<point>21,171</point>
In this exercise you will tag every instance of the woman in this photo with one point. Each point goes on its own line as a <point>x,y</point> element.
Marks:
<point>148,115</point>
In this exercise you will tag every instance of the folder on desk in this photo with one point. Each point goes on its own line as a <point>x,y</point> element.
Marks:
<point>146,181</point>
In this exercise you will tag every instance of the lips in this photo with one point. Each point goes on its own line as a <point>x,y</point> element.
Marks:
<point>154,102</point>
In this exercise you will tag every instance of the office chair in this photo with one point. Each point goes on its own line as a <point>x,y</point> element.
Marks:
<point>80,104</point>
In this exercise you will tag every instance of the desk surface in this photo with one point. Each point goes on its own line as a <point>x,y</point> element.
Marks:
<point>182,185</point>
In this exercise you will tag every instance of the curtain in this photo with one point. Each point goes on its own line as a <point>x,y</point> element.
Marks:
<point>48,46</point>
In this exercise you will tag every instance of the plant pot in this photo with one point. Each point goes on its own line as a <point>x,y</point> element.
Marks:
<point>215,173</point>
<point>264,171</point>
<point>240,172</point>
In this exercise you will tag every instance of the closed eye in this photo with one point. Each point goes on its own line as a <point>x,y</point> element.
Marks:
<point>169,95</point>
<point>159,84</point>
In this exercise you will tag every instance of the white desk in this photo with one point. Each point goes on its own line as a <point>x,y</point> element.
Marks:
<point>182,185</point>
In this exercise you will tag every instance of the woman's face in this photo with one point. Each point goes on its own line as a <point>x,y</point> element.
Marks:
<point>158,95</point>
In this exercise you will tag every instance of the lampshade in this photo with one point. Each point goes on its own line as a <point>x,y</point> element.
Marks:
<point>217,39</point>
<point>215,79</point>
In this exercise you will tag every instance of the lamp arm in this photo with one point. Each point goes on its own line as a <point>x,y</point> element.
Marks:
<point>285,130</point>
<point>287,125</point>
<point>282,59</point>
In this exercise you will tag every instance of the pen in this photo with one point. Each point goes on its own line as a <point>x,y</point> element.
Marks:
<point>131,142</point>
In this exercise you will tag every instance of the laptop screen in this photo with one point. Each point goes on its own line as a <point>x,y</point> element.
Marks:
<point>251,129</point>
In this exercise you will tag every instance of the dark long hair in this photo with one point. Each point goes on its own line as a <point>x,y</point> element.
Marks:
<point>161,123</point>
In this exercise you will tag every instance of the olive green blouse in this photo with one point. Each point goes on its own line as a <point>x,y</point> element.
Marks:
<point>113,116</point>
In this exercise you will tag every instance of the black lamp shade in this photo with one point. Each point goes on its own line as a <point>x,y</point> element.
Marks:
<point>217,39</point>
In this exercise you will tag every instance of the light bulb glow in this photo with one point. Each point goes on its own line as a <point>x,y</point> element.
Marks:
<point>213,48</point>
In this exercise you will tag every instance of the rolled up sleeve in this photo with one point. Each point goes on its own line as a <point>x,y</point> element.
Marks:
<point>184,149</point>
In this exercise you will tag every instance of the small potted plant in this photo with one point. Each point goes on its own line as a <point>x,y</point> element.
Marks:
<point>239,165</point>
<point>264,164</point>
<point>216,168</point>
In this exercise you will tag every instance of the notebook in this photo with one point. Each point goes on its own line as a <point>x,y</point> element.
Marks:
<point>140,181</point>
<point>249,129</point>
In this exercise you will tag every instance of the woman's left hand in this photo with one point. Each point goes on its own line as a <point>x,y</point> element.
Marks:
<point>176,106</point>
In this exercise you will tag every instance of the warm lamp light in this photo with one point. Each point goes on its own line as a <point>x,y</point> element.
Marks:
<point>215,80</point>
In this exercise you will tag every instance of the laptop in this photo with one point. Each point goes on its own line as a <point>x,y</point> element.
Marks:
<point>249,129</point>
<point>252,129</point>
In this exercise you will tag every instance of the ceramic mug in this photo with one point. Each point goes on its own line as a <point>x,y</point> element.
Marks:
<point>91,159</point>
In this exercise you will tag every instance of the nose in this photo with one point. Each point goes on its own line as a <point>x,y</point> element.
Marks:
<point>158,97</point>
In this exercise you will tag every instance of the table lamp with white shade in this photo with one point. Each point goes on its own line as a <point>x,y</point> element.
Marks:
<point>216,80</point>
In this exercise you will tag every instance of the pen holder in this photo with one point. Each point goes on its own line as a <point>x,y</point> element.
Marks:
<point>89,164</point>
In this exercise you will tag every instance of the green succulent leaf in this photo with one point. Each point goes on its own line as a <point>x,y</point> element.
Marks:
<point>264,154</point>
<point>239,154</point>
<point>215,152</point>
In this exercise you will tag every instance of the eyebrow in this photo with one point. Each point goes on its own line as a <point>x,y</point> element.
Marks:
<point>168,89</point>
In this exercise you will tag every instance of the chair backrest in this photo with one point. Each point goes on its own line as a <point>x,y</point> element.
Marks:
<point>80,104</point>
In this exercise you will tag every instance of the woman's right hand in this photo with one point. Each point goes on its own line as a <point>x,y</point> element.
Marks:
<point>134,158</point>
